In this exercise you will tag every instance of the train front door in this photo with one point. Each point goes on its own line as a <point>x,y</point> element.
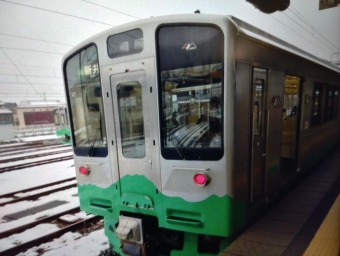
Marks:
<point>258,134</point>
<point>133,102</point>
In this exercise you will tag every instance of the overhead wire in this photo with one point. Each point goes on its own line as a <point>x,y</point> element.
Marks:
<point>318,39</point>
<point>21,73</point>
<point>61,13</point>
<point>30,50</point>
<point>33,66</point>
<point>315,33</point>
<point>304,20</point>
<point>49,44</point>
<point>32,76</point>
<point>299,34</point>
<point>35,39</point>
<point>105,7</point>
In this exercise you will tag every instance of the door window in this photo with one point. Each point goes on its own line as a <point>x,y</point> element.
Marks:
<point>259,80</point>
<point>131,119</point>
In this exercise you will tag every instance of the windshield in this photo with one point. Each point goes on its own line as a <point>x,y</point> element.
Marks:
<point>85,103</point>
<point>191,88</point>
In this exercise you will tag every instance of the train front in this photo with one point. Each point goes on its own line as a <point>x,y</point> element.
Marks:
<point>149,117</point>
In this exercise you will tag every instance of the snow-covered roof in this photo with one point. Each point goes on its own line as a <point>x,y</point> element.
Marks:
<point>5,111</point>
<point>28,103</point>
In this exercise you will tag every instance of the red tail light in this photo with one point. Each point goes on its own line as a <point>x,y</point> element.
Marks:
<point>84,170</point>
<point>201,179</point>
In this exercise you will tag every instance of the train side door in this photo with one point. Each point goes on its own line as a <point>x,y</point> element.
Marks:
<point>258,134</point>
<point>134,123</point>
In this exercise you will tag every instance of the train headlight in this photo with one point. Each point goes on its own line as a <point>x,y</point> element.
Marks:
<point>85,170</point>
<point>201,179</point>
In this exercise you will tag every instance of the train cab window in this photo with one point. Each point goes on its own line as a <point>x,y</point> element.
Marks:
<point>131,119</point>
<point>86,105</point>
<point>127,43</point>
<point>190,74</point>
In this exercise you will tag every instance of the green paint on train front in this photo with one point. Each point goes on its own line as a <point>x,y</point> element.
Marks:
<point>218,216</point>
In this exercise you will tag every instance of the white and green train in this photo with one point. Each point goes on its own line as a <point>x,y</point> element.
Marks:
<point>184,127</point>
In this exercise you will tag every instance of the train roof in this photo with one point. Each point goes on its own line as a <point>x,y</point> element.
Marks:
<point>241,26</point>
<point>261,35</point>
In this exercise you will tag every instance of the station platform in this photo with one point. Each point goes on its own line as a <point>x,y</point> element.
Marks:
<point>306,221</point>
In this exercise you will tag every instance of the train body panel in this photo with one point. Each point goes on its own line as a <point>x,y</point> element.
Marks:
<point>184,126</point>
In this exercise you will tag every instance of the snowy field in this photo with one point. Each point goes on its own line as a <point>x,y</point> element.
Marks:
<point>68,244</point>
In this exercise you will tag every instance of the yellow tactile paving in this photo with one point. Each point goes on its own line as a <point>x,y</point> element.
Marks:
<point>327,239</point>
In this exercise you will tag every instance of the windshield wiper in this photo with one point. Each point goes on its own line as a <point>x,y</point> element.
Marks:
<point>178,149</point>
<point>98,131</point>
<point>90,152</point>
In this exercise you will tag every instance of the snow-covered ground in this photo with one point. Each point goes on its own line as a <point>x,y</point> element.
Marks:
<point>70,243</point>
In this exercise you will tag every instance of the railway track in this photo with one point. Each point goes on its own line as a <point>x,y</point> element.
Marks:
<point>56,227</point>
<point>39,194</point>
<point>20,158</point>
<point>34,163</point>
<point>26,145</point>
<point>34,149</point>
<point>44,238</point>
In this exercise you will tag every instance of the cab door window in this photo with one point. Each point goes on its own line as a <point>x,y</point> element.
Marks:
<point>131,119</point>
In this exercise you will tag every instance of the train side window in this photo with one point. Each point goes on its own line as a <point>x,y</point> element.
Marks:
<point>127,43</point>
<point>131,119</point>
<point>335,104</point>
<point>329,103</point>
<point>316,104</point>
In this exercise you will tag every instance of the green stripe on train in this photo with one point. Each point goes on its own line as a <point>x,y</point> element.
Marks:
<point>219,216</point>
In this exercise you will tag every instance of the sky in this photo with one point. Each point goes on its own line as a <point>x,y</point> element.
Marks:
<point>36,34</point>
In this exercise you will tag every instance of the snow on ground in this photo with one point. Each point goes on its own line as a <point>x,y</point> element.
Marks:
<point>35,176</point>
<point>33,154</point>
<point>68,244</point>
<point>40,137</point>
<point>72,244</point>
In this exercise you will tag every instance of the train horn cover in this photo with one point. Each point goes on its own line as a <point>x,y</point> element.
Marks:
<point>270,6</point>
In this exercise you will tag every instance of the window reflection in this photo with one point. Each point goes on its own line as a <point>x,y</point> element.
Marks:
<point>192,105</point>
<point>127,43</point>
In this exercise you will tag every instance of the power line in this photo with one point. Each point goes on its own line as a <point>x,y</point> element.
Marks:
<point>304,20</point>
<point>22,65</point>
<point>307,31</point>
<point>299,34</point>
<point>27,50</point>
<point>28,83</point>
<point>69,15</point>
<point>41,40</point>
<point>30,75</point>
<point>21,72</point>
<point>111,9</point>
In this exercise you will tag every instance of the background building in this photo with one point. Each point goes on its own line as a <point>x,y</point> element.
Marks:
<point>6,121</point>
